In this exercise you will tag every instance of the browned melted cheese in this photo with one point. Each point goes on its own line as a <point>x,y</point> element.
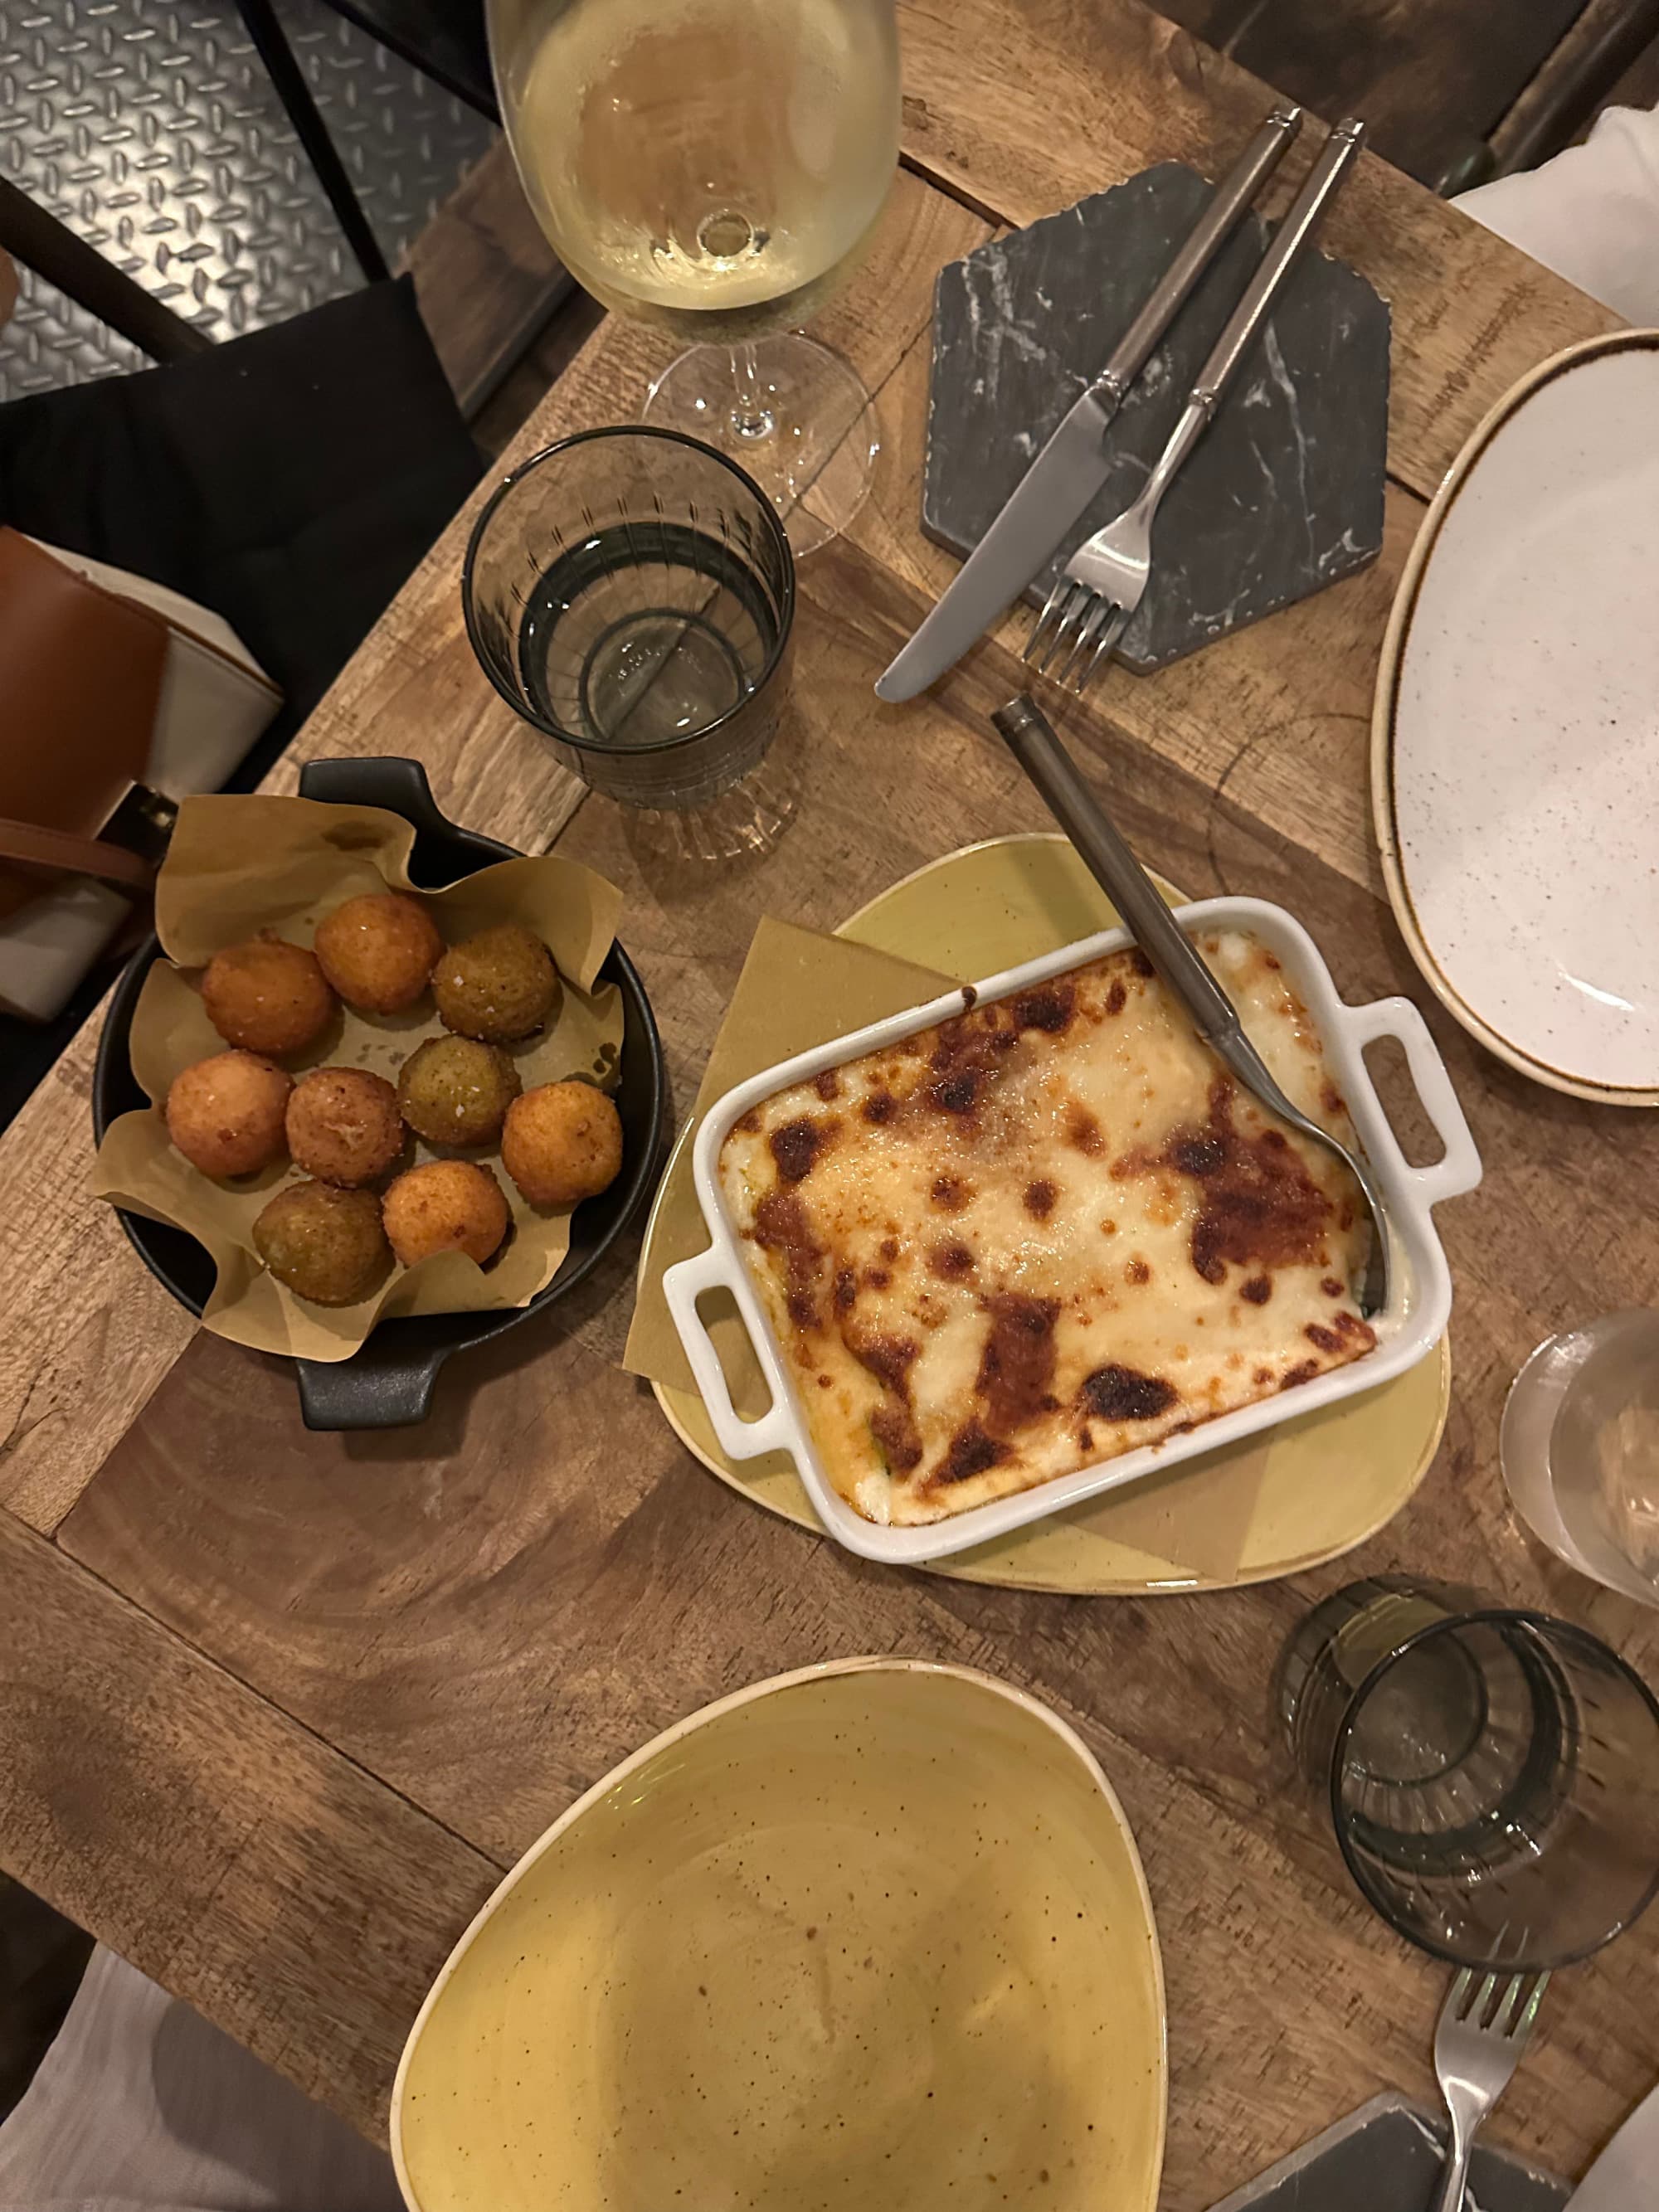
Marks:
<point>1046,1232</point>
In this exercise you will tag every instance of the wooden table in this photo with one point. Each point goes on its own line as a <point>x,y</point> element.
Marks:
<point>275,1709</point>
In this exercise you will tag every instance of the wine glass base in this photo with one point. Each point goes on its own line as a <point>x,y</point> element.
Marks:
<point>812,443</point>
<point>743,824</point>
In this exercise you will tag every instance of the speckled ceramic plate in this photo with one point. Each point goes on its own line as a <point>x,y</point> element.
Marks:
<point>1301,1493</point>
<point>1515,757</point>
<point>872,1935</point>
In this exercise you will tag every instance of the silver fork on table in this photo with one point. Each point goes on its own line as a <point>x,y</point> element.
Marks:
<point>1476,2047</point>
<point>1096,595</point>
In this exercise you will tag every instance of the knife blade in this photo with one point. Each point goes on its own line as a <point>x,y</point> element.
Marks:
<point>1072,467</point>
<point>1625,2177</point>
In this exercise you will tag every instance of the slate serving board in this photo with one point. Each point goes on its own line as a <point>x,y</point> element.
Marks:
<point>1386,2157</point>
<point>1283,495</point>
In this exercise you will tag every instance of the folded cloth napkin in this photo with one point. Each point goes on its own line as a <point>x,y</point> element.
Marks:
<point>140,2105</point>
<point>1591,215</point>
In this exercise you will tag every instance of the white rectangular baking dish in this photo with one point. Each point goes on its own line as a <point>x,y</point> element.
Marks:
<point>1409,1328</point>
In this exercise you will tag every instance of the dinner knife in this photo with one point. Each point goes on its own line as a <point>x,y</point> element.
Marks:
<point>1625,2177</point>
<point>1072,467</point>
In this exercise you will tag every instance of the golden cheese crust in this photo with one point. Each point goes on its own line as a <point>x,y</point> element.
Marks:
<point>1047,1231</point>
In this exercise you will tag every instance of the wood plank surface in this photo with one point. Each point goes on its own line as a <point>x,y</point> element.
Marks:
<point>281,1702</point>
<point>619,1586</point>
<point>246,1866</point>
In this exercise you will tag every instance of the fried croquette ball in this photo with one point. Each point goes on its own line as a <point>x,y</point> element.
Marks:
<point>344,1125</point>
<point>453,1090</point>
<point>496,986</point>
<point>562,1142</point>
<point>378,951</point>
<point>444,1205</point>
<point>266,995</point>
<point>225,1114</point>
<point>327,1245</point>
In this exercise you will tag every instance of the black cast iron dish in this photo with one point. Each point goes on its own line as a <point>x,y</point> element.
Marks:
<point>388,1384</point>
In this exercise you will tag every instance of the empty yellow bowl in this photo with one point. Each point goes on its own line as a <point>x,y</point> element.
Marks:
<point>873,1935</point>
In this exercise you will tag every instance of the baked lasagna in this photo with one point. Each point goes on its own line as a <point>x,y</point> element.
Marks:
<point>1048,1230</point>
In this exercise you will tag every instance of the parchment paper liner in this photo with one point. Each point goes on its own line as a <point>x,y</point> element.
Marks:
<point>240,864</point>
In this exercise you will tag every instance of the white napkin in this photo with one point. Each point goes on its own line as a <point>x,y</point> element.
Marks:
<point>1591,215</point>
<point>1626,2177</point>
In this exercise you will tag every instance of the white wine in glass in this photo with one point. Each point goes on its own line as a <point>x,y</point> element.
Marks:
<point>716,167</point>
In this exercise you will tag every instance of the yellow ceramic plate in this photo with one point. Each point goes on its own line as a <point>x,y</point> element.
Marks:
<point>1303,1492</point>
<point>872,1935</point>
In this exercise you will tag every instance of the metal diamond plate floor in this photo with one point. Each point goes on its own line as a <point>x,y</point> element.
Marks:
<point>151,127</point>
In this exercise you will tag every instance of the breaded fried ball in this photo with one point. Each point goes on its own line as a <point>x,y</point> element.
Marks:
<point>453,1090</point>
<point>497,985</point>
<point>344,1125</point>
<point>444,1205</point>
<point>266,995</point>
<point>378,951</point>
<point>327,1245</point>
<point>562,1142</point>
<point>225,1114</point>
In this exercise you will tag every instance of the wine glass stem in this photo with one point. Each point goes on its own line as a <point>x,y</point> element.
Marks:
<point>751,418</point>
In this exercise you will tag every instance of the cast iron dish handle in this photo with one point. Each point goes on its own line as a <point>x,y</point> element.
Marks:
<point>399,785</point>
<point>379,1387</point>
<point>365,1392</point>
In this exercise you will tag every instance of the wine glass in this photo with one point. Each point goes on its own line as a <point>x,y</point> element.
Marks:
<point>1579,1448</point>
<point>716,167</point>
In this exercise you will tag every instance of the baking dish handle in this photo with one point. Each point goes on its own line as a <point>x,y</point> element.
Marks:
<point>682,1284</point>
<point>1459,1171</point>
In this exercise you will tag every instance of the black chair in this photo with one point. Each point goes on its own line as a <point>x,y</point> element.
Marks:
<point>444,39</point>
<point>1576,81</point>
<point>289,479</point>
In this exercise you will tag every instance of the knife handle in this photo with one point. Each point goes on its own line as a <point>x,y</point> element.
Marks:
<point>1301,221</point>
<point>1168,295</point>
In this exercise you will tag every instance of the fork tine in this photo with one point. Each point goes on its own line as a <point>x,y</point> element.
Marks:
<point>1040,624</point>
<point>1522,2027</point>
<point>1103,644</point>
<point>1075,610</point>
<point>1508,1999</point>
<point>1061,589</point>
<point>1096,611</point>
<point>1453,2007</point>
<point>1039,657</point>
<point>1078,614</point>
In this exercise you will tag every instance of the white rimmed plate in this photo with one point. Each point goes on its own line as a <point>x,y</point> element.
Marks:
<point>1516,735</point>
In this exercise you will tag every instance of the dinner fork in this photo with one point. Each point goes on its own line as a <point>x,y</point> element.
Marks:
<point>1476,2046</point>
<point>1097,593</point>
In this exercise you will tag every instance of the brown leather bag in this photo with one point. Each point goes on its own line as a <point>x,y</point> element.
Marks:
<point>79,681</point>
